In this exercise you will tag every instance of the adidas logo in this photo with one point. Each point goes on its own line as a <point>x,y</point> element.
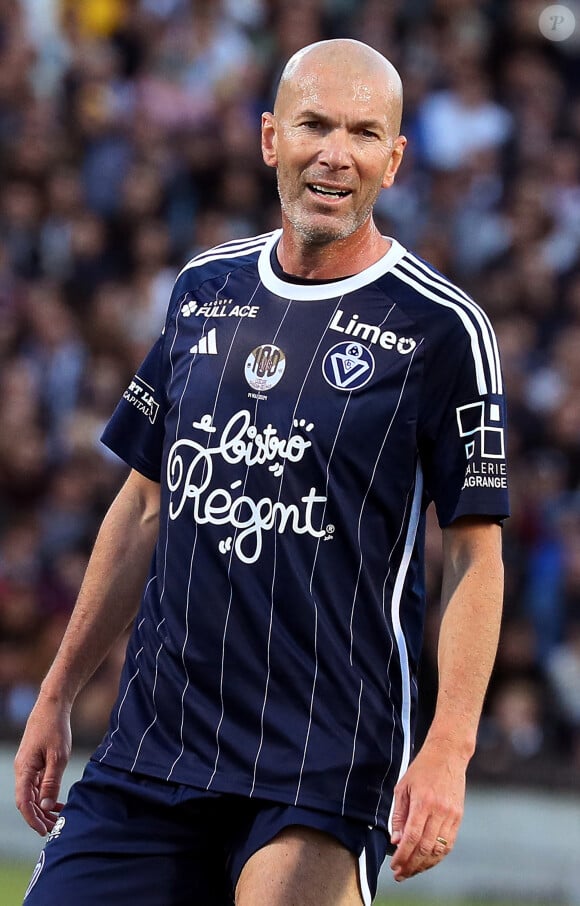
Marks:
<point>207,344</point>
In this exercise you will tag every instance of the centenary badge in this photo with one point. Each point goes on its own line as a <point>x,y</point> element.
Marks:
<point>264,367</point>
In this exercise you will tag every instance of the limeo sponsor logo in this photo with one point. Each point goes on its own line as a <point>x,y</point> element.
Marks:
<point>190,470</point>
<point>371,333</point>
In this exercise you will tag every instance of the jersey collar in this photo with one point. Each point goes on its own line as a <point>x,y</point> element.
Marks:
<point>312,291</point>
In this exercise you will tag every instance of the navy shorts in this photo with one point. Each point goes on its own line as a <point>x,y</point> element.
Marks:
<point>125,838</point>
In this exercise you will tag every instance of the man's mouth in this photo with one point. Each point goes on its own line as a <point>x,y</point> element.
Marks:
<point>327,192</point>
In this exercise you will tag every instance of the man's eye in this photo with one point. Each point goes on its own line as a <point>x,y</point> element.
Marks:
<point>367,133</point>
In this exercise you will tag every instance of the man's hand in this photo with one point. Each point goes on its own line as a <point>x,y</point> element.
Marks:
<point>40,763</point>
<point>429,802</point>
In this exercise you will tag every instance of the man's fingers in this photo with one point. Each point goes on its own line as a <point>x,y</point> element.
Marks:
<point>48,818</point>
<point>50,783</point>
<point>444,841</point>
<point>36,790</point>
<point>409,840</point>
<point>415,851</point>
<point>26,795</point>
<point>421,849</point>
<point>33,817</point>
<point>400,814</point>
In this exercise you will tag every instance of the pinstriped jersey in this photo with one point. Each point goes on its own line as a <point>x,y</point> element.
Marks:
<point>298,432</point>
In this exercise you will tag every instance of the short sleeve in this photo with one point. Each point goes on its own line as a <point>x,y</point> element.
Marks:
<point>135,431</point>
<point>463,442</point>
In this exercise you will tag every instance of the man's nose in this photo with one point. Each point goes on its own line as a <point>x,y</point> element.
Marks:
<point>335,152</point>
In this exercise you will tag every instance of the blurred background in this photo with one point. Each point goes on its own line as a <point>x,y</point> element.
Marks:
<point>129,141</point>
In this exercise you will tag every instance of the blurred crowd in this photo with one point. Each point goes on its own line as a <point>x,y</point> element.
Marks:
<point>129,140</point>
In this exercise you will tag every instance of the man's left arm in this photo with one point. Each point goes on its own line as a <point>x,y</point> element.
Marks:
<point>429,798</point>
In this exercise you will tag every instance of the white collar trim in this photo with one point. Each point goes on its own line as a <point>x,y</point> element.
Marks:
<point>308,292</point>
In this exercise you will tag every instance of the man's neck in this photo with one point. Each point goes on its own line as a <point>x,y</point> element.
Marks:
<point>332,260</point>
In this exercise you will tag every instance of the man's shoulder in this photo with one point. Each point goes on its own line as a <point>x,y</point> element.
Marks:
<point>223,257</point>
<point>449,318</point>
<point>422,289</point>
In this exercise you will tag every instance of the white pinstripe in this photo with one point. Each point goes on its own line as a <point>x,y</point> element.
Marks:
<point>129,684</point>
<point>162,593</point>
<point>231,591</point>
<point>368,490</point>
<point>153,722</point>
<point>315,603</point>
<point>186,637</point>
<point>388,671</point>
<point>360,520</point>
<point>399,634</point>
<point>395,543</point>
<point>271,619</point>
<point>298,398</point>
<point>239,322</point>
<point>360,691</point>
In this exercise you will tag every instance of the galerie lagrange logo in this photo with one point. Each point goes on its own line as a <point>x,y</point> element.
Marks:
<point>190,472</point>
<point>481,425</point>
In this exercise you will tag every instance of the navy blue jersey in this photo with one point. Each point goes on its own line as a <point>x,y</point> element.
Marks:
<point>299,432</point>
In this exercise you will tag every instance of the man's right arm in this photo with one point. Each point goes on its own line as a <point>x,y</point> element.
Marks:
<point>107,603</point>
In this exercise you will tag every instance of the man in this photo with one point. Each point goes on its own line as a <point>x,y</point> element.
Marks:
<point>313,390</point>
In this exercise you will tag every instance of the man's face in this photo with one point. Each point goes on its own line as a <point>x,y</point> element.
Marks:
<point>333,142</point>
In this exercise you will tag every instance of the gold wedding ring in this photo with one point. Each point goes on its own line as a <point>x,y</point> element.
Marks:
<point>442,841</point>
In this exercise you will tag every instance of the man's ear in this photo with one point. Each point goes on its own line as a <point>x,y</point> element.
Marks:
<point>395,161</point>
<point>269,153</point>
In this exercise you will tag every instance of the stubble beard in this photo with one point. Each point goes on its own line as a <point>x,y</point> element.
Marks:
<point>317,234</point>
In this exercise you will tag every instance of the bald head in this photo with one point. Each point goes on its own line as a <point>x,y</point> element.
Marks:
<point>334,140</point>
<point>353,60</point>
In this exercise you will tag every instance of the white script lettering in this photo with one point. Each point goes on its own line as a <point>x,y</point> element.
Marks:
<point>189,477</point>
